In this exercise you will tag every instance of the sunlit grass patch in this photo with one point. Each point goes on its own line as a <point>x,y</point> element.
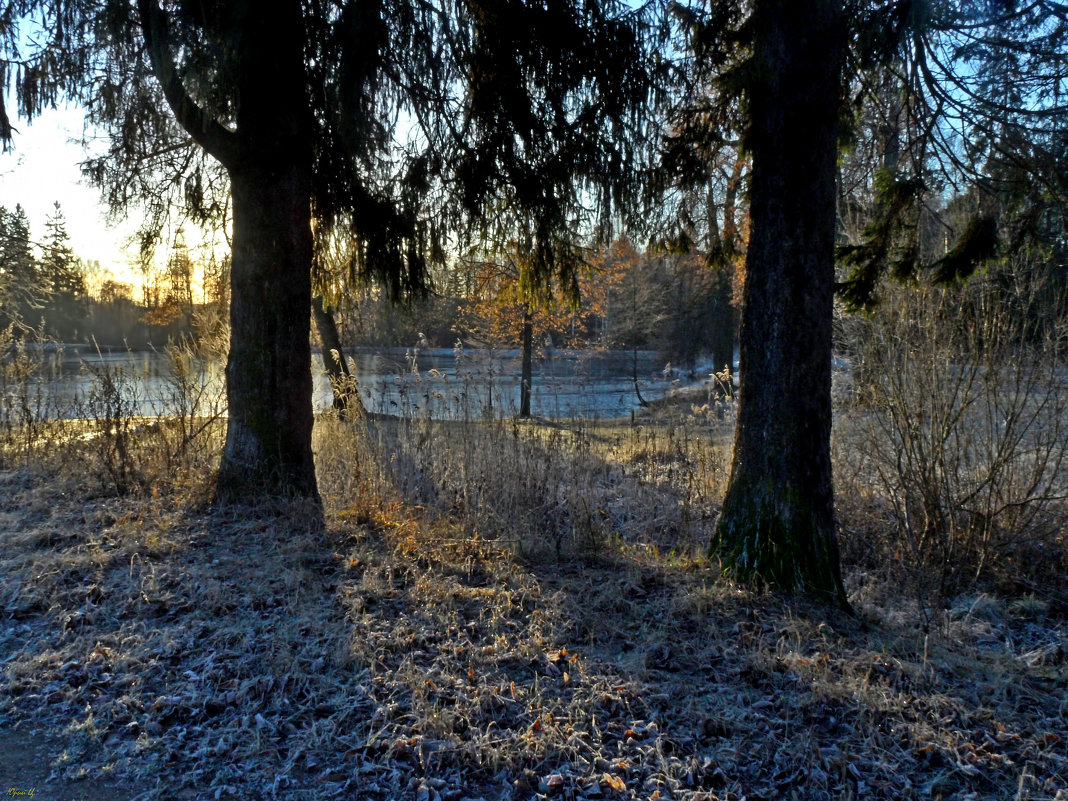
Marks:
<point>542,487</point>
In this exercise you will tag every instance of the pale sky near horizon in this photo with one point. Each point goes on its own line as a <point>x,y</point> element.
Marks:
<point>42,168</point>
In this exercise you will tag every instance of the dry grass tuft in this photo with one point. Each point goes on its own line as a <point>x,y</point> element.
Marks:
<point>543,488</point>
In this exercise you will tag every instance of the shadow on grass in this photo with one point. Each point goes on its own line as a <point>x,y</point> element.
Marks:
<point>418,655</point>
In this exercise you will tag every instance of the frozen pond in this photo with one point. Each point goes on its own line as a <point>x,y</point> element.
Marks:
<point>440,383</point>
<point>478,383</point>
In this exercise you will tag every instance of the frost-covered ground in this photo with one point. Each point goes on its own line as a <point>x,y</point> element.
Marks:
<point>169,651</point>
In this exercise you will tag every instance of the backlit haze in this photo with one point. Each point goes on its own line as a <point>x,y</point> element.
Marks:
<point>42,168</point>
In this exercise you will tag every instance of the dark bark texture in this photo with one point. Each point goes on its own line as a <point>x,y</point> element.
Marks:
<point>269,161</point>
<point>777,524</point>
<point>269,383</point>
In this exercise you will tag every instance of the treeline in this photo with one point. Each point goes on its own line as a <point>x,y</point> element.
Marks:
<point>674,304</point>
<point>42,285</point>
<point>628,298</point>
<point>47,292</point>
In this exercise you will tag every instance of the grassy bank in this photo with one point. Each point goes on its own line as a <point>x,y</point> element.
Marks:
<point>496,610</point>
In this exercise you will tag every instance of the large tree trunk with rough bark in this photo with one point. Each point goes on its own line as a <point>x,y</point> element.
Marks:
<point>268,374</point>
<point>777,525</point>
<point>269,383</point>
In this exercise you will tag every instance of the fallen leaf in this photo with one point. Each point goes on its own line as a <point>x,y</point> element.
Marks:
<point>614,782</point>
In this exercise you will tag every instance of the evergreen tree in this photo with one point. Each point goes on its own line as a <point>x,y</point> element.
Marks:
<point>783,75</point>
<point>63,275</point>
<point>30,72</point>
<point>398,124</point>
<point>22,290</point>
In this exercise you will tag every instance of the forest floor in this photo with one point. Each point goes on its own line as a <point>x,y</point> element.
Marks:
<point>152,647</point>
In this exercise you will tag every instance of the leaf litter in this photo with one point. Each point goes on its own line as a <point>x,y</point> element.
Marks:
<point>247,655</point>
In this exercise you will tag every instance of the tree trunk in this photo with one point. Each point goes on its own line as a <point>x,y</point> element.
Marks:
<point>269,161</point>
<point>723,247</point>
<point>526,383</point>
<point>268,374</point>
<point>723,321</point>
<point>777,525</point>
<point>346,396</point>
<point>269,382</point>
<point>634,375</point>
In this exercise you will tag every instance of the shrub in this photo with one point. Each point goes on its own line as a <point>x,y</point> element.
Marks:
<point>956,431</point>
<point>545,488</point>
<point>29,362</point>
